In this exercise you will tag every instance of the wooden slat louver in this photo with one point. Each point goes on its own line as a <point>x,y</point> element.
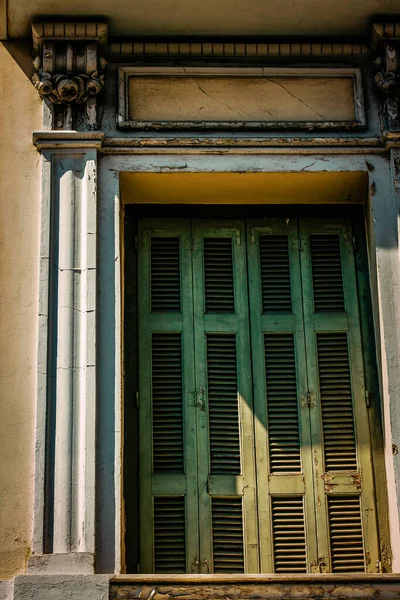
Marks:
<point>275,273</point>
<point>283,419</point>
<point>336,402</point>
<point>223,404</point>
<point>218,275</point>
<point>346,536</point>
<point>167,402</point>
<point>327,273</point>
<point>289,538</point>
<point>227,532</point>
<point>165,274</point>
<point>169,534</point>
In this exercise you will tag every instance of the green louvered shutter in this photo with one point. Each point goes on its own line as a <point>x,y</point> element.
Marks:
<point>254,437</point>
<point>343,472</point>
<point>281,412</point>
<point>226,466</point>
<point>169,539</point>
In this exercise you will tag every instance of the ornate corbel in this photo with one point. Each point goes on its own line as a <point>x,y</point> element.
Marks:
<point>69,71</point>
<point>385,43</point>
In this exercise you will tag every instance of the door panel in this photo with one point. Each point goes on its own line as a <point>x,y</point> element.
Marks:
<point>282,419</point>
<point>167,418</point>
<point>343,476</point>
<point>227,484</point>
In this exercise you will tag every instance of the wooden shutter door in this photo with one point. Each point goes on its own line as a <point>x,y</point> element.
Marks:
<point>169,537</point>
<point>282,421</point>
<point>227,485</point>
<point>343,475</point>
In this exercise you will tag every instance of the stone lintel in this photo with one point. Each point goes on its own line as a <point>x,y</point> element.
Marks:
<point>70,563</point>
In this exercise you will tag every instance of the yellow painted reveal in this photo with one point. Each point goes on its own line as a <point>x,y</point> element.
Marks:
<point>244,188</point>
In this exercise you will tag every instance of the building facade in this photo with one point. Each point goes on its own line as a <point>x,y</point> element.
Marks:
<point>200,320</point>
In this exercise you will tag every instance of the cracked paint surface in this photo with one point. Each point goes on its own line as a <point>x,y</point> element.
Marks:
<point>232,98</point>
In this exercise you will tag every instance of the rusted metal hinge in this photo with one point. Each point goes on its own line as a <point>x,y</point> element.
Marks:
<point>196,566</point>
<point>309,400</point>
<point>367,399</point>
<point>197,399</point>
<point>296,244</point>
<point>204,567</point>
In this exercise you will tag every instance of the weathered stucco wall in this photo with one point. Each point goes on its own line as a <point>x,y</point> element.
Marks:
<point>20,114</point>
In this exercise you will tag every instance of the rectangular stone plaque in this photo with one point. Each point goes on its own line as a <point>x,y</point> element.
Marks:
<point>175,97</point>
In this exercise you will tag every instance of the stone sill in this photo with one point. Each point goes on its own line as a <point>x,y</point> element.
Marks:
<point>350,586</point>
<point>256,577</point>
<point>355,586</point>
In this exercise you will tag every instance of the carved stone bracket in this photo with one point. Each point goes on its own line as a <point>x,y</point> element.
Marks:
<point>69,71</point>
<point>385,42</point>
<point>66,88</point>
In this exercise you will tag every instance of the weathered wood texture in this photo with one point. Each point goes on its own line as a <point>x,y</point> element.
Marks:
<point>258,588</point>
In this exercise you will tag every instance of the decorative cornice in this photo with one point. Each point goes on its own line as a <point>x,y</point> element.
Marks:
<point>78,140</point>
<point>231,50</point>
<point>74,31</point>
<point>384,32</point>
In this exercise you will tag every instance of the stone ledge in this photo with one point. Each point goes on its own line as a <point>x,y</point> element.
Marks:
<point>256,587</point>
<point>71,563</point>
<point>61,587</point>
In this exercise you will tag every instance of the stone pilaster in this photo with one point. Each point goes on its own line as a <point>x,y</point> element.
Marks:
<point>64,525</point>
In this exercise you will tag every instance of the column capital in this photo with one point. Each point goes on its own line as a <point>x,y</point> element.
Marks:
<point>62,139</point>
<point>70,66</point>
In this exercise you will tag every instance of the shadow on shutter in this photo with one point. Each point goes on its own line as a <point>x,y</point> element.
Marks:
<point>165,275</point>
<point>336,402</point>
<point>167,402</point>
<point>327,273</point>
<point>275,273</point>
<point>227,526</point>
<point>289,535</point>
<point>283,420</point>
<point>346,534</point>
<point>223,404</point>
<point>218,275</point>
<point>169,534</point>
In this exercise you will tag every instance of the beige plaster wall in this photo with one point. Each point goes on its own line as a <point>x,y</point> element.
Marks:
<point>20,114</point>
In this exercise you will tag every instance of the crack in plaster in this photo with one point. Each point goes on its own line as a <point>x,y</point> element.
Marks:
<point>240,113</point>
<point>296,98</point>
